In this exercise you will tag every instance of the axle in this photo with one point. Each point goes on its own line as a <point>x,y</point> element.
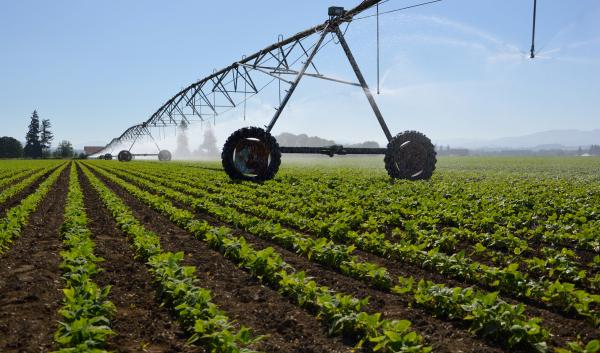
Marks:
<point>333,150</point>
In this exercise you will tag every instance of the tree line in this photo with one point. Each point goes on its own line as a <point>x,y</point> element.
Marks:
<point>38,142</point>
<point>593,151</point>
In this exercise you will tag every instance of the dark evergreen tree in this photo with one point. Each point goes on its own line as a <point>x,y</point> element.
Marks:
<point>33,147</point>
<point>46,137</point>
<point>10,148</point>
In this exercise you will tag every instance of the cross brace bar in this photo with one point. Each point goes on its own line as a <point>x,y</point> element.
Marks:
<point>363,83</point>
<point>332,150</point>
<point>189,101</point>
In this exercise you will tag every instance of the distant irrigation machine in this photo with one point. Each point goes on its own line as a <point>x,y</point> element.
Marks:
<point>133,134</point>
<point>252,153</point>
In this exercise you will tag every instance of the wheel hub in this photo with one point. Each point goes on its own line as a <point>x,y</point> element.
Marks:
<point>411,157</point>
<point>251,157</point>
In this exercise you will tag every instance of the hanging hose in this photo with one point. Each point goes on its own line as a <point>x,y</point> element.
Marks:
<point>532,51</point>
<point>279,39</point>
<point>245,91</point>
<point>214,103</point>
<point>378,88</point>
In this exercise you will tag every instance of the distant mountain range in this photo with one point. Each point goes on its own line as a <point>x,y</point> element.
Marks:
<point>545,140</point>
<point>291,140</point>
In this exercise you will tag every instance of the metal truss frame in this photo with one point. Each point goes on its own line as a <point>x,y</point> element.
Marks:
<point>235,84</point>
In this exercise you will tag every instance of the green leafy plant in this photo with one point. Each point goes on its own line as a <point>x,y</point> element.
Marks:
<point>338,310</point>
<point>207,325</point>
<point>16,218</point>
<point>592,346</point>
<point>86,311</point>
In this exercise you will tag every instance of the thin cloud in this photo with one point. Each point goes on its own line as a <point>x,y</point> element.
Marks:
<point>498,51</point>
<point>442,40</point>
<point>585,43</point>
<point>471,31</point>
<point>465,36</point>
<point>554,54</point>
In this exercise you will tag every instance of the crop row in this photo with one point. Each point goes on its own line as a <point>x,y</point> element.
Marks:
<point>208,325</point>
<point>342,313</point>
<point>201,318</point>
<point>16,218</point>
<point>10,177</point>
<point>361,209</point>
<point>509,280</point>
<point>86,311</point>
<point>8,169</point>
<point>553,211</point>
<point>20,186</point>
<point>554,265</point>
<point>320,250</point>
<point>367,214</point>
<point>509,325</point>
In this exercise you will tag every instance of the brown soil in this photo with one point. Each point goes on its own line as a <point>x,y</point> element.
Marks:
<point>446,336</point>
<point>562,327</point>
<point>30,284</point>
<point>585,256</point>
<point>288,328</point>
<point>486,258</point>
<point>140,323</point>
<point>16,199</point>
<point>19,179</point>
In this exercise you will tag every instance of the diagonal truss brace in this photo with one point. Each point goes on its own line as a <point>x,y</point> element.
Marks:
<point>363,83</point>
<point>227,88</point>
<point>292,88</point>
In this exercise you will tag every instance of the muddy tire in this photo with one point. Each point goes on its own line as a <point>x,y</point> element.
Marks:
<point>410,155</point>
<point>251,154</point>
<point>124,156</point>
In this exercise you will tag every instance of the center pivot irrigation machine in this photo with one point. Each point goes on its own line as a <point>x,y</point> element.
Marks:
<point>133,134</point>
<point>252,153</point>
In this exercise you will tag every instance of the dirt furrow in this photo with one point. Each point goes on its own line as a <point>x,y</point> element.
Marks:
<point>17,180</point>
<point>140,323</point>
<point>16,199</point>
<point>448,336</point>
<point>30,285</point>
<point>562,327</point>
<point>288,328</point>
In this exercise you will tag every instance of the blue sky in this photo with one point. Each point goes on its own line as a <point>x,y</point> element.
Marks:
<point>455,69</point>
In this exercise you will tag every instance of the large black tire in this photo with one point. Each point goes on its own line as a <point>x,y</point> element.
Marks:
<point>124,156</point>
<point>410,155</point>
<point>164,156</point>
<point>262,155</point>
<point>108,157</point>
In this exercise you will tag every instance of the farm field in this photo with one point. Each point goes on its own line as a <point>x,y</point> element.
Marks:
<point>490,255</point>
